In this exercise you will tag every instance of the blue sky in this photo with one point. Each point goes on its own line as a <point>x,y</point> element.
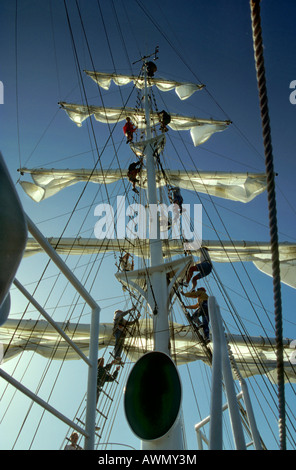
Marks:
<point>207,42</point>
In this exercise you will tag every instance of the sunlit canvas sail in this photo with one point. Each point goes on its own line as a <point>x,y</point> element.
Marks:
<point>220,252</point>
<point>39,336</point>
<point>242,187</point>
<point>200,129</point>
<point>183,90</point>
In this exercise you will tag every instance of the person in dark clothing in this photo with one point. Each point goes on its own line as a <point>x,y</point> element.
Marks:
<point>151,68</point>
<point>132,173</point>
<point>201,309</point>
<point>176,198</point>
<point>104,374</point>
<point>164,119</point>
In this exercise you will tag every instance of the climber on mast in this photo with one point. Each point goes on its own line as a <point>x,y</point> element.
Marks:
<point>176,198</point>
<point>132,173</point>
<point>125,264</point>
<point>129,130</point>
<point>164,119</point>
<point>201,309</point>
<point>151,68</point>
<point>104,374</point>
<point>120,331</point>
<point>204,268</point>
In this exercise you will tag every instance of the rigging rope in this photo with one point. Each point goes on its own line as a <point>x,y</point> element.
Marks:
<point>260,69</point>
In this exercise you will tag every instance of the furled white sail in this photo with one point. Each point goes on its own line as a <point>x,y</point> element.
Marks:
<point>241,187</point>
<point>39,336</point>
<point>260,254</point>
<point>200,129</point>
<point>220,252</point>
<point>183,90</point>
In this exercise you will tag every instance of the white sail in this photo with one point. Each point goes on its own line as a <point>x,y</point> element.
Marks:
<point>200,129</point>
<point>40,337</point>
<point>220,252</point>
<point>183,90</point>
<point>243,187</point>
<point>260,254</point>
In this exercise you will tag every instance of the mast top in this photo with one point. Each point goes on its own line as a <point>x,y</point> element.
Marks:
<point>153,56</point>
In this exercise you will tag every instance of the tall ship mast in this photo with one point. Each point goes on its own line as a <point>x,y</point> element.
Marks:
<point>147,244</point>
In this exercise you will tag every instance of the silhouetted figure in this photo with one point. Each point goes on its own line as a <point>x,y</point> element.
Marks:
<point>129,130</point>
<point>132,173</point>
<point>176,198</point>
<point>104,374</point>
<point>164,119</point>
<point>151,68</point>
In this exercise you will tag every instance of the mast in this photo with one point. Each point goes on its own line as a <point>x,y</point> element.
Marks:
<point>158,288</point>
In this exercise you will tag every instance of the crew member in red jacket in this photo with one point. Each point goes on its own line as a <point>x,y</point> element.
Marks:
<point>129,130</point>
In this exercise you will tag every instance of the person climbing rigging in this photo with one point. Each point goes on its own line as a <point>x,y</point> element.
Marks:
<point>73,439</point>
<point>151,68</point>
<point>104,374</point>
<point>133,171</point>
<point>204,268</point>
<point>129,130</point>
<point>176,198</point>
<point>120,330</point>
<point>164,119</point>
<point>125,264</point>
<point>201,309</point>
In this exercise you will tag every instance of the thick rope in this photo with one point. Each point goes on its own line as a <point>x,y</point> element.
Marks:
<point>259,61</point>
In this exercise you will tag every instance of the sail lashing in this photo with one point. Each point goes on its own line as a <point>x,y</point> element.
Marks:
<point>42,338</point>
<point>242,187</point>
<point>183,90</point>
<point>200,129</point>
<point>259,253</point>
